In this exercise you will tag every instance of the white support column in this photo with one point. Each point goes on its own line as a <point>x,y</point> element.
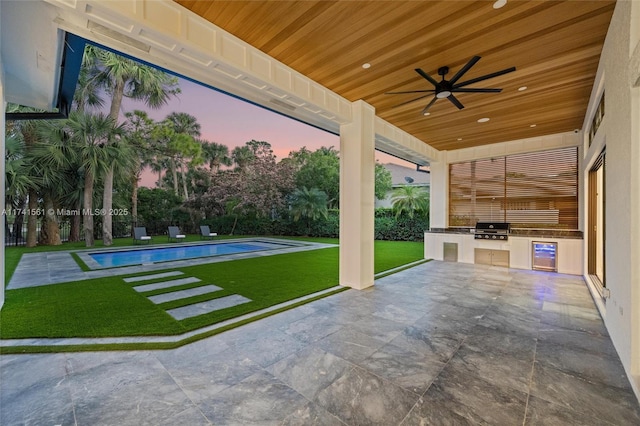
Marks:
<point>438,199</point>
<point>2,178</point>
<point>357,182</point>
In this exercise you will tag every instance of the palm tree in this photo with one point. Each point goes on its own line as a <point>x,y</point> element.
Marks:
<point>185,124</point>
<point>122,77</point>
<point>138,127</point>
<point>410,200</point>
<point>159,164</point>
<point>216,154</point>
<point>92,136</point>
<point>54,158</point>
<point>28,132</point>
<point>19,180</point>
<point>88,94</point>
<point>181,122</point>
<point>242,156</point>
<point>310,204</point>
<point>163,135</point>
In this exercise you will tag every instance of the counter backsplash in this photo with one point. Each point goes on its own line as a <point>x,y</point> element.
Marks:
<point>515,232</point>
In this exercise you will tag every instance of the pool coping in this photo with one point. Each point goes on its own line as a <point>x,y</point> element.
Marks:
<point>85,254</point>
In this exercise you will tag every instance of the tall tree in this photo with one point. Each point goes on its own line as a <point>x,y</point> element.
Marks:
<point>28,132</point>
<point>163,136</point>
<point>187,152</point>
<point>159,164</point>
<point>216,155</point>
<point>88,94</point>
<point>186,149</point>
<point>138,132</point>
<point>55,159</point>
<point>92,137</point>
<point>259,189</point>
<point>181,122</point>
<point>122,77</point>
<point>320,169</point>
<point>242,156</point>
<point>383,181</point>
<point>19,180</point>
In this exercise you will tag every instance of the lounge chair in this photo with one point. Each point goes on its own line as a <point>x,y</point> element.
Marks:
<point>205,233</point>
<point>174,234</point>
<point>140,235</point>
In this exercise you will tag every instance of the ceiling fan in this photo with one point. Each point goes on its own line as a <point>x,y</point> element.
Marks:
<point>446,88</point>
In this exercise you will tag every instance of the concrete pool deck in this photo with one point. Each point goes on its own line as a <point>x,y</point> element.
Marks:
<point>37,269</point>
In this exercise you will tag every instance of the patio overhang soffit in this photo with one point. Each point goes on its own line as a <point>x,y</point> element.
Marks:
<point>167,35</point>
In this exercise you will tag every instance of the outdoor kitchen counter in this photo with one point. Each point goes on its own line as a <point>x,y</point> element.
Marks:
<point>569,256</point>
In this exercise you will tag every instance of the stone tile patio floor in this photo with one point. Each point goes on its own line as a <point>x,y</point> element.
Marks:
<point>440,343</point>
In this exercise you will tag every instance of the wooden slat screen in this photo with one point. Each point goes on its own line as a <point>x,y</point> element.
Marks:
<point>534,190</point>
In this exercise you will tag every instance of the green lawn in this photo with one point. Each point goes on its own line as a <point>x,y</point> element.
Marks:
<point>109,307</point>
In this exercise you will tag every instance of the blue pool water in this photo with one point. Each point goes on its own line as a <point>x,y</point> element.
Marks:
<point>168,254</point>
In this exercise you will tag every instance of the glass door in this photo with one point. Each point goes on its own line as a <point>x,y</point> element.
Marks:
<point>596,223</point>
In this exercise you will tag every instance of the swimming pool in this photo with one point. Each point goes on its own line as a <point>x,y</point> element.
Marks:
<point>112,259</point>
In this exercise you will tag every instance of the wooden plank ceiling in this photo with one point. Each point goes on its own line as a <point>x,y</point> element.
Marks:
<point>554,45</point>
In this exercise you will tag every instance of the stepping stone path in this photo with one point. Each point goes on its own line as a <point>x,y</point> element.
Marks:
<point>187,311</point>
<point>208,306</point>
<point>183,294</point>
<point>152,277</point>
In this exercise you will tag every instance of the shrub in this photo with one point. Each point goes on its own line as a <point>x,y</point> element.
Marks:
<point>387,226</point>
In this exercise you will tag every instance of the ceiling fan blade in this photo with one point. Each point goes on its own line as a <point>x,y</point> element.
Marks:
<point>484,77</point>
<point>464,69</point>
<point>427,76</point>
<point>475,90</point>
<point>433,101</point>
<point>409,91</point>
<point>455,101</point>
<point>412,100</point>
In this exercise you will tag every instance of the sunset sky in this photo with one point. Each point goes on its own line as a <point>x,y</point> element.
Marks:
<point>232,122</point>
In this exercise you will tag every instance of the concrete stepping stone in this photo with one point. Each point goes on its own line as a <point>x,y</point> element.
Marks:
<point>208,306</point>
<point>166,284</point>
<point>152,277</point>
<point>183,294</point>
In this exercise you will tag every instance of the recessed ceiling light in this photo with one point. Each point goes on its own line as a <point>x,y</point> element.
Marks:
<point>483,120</point>
<point>426,114</point>
<point>520,89</point>
<point>366,65</point>
<point>499,3</point>
<point>533,125</point>
<point>459,139</point>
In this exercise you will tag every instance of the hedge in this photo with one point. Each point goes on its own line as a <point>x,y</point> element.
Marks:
<point>387,226</point>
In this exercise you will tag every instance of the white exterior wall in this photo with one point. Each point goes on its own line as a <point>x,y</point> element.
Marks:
<point>618,76</point>
<point>439,198</point>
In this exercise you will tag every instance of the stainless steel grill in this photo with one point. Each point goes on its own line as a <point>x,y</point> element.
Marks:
<point>492,231</point>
